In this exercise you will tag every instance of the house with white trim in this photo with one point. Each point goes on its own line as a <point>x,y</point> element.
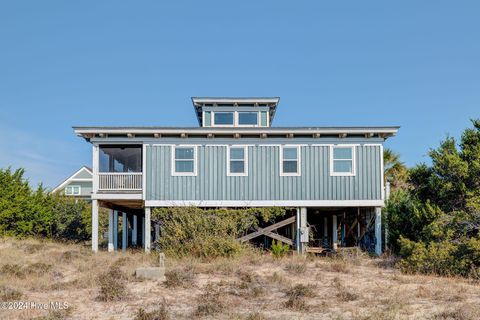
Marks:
<point>78,185</point>
<point>331,178</point>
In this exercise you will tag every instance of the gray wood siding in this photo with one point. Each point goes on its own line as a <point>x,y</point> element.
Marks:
<point>263,181</point>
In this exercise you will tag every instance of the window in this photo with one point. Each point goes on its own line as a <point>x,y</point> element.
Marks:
<point>290,161</point>
<point>248,118</point>
<point>342,161</point>
<point>223,118</point>
<point>72,190</point>
<point>237,161</point>
<point>120,158</point>
<point>184,161</point>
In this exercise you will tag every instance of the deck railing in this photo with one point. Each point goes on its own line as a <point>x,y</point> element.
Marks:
<point>119,181</point>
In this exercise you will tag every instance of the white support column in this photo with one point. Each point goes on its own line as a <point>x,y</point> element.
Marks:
<point>115,230</point>
<point>110,231</point>
<point>134,230</point>
<point>94,225</point>
<point>387,195</point>
<point>147,229</point>
<point>334,233</point>
<point>302,230</point>
<point>124,231</point>
<point>95,158</point>
<point>378,231</point>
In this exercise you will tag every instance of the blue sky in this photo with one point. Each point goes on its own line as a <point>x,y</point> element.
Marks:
<point>63,63</point>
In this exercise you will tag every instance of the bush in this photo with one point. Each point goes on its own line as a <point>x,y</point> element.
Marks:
<point>14,270</point>
<point>161,313</point>
<point>25,211</point>
<point>296,296</point>
<point>435,225</point>
<point>179,277</point>
<point>112,284</point>
<point>211,233</point>
<point>442,258</point>
<point>279,250</point>
<point>296,267</point>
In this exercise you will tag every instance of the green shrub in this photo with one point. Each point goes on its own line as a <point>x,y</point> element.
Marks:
<point>279,250</point>
<point>210,233</point>
<point>25,211</point>
<point>435,224</point>
<point>444,258</point>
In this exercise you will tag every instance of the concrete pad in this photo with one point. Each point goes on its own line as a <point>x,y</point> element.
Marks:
<point>152,273</point>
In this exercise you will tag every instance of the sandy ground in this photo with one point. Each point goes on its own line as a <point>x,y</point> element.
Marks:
<point>254,286</point>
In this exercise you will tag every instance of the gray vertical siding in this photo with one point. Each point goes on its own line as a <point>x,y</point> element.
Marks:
<point>263,181</point>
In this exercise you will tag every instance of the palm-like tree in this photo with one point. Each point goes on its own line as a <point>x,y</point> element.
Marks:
<point>395,170</point>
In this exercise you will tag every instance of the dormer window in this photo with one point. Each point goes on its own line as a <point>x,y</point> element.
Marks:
<point>235,112</point>
<point>223,118</point>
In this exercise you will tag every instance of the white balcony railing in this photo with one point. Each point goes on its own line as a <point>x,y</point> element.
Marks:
<point>118,181</point>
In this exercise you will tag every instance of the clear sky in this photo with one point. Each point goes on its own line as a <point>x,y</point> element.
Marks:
<point>62,63</point>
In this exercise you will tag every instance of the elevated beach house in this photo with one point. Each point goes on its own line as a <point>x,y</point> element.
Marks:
<point>330,177</point>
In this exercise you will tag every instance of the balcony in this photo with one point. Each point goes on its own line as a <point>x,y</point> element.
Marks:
<point>120,181</point>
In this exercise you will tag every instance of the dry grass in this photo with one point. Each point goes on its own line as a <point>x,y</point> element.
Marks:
<point>113,286</point>
<point>161,312</point>
<point>209,303</point>
<point>253,286</point>
<point>298,295</point>
<point>180,277</point>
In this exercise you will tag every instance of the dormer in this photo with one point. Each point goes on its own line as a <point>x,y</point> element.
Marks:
<point>235,112</point>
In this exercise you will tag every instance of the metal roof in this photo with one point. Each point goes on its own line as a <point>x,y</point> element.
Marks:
<point>101,131</point>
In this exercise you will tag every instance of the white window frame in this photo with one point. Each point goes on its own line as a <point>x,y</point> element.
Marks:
<point>245,160</point>
<point>195,161</point>
<point>343,174</point>
<point>73,186</point>
<point>237,118</point>
<point>212,119</point>
<point>299,162</point>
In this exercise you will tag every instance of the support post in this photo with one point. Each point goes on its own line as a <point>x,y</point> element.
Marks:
<point>302,231</point>
<point>358,227</point>
<point>378,231</point>
<point>326,242</point>
<point>143,232</point>
<point>134,230</point>
<point>115,230</point>
<point>157,232</point>
<point>387,195</point>
<point>298,244</point>
<point>94,225</point>
<point>147,229</point>
<point>110,230</point>
<point>334,233</point>
<point>124,231</point>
